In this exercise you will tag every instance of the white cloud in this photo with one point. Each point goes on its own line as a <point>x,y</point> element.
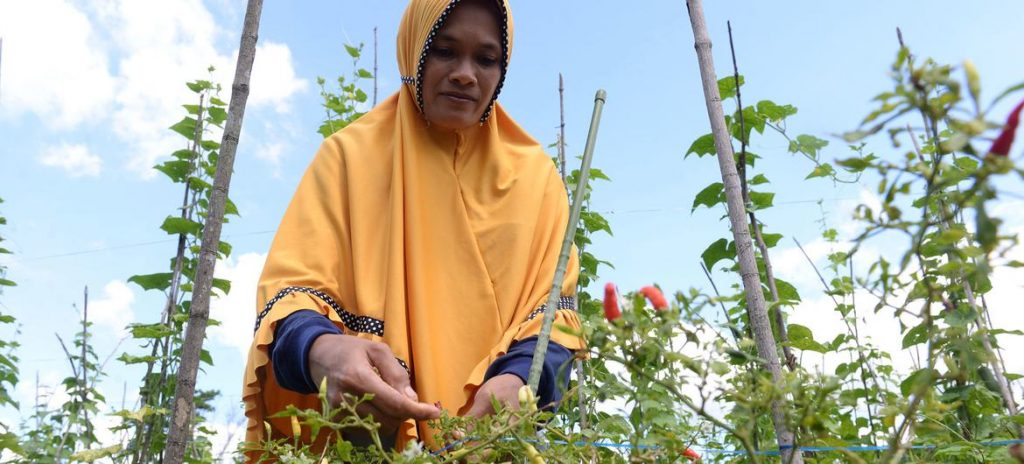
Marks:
<point>60,72</point>
<point>53,63</point>
<point>237,311</point>
<point>270,152</point>
<point>74,159</point>
<point>114,309</point>
<point>273,77</point>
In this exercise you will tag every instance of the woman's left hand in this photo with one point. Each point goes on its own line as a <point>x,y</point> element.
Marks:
<point>504,388</point>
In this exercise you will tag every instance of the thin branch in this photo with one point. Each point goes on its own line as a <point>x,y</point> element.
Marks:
<point>728,320</point>
<point>741,168</point>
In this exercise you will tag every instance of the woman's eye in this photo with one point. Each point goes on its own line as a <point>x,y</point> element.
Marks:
<point>487,61</point>
<point>442,52</point>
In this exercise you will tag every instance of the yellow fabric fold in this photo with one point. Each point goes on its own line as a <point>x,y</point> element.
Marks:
<point>439,244</point>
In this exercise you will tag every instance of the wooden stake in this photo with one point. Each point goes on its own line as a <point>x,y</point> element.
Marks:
<point>195,332</point>
<point>756,312</point>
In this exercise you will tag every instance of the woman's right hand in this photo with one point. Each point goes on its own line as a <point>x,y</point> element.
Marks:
<point>356,366</point>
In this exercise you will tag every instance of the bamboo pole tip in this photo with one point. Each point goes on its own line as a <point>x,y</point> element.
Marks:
<point>601,95</point>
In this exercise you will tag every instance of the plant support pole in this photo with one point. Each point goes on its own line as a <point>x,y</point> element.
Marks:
<point>563,258</point>
<point>760,325</point>
<point>199,314</point>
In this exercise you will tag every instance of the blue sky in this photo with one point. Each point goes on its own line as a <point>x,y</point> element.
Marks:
<point>87,89</point>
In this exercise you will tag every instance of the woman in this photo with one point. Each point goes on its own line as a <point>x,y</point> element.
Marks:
<point>419,248</point>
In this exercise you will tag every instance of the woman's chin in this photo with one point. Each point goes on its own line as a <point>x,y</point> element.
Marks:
<point>453,122</point>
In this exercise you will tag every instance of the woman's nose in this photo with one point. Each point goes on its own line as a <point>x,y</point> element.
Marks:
<point>463,74</point>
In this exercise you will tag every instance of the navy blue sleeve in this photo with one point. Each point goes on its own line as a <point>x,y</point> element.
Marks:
<point>289,352</point>
<point>517,362</point>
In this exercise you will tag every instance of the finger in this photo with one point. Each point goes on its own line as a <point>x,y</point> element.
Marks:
<point>393,403</point>
<point>388,424</point>
<point>390,370</point>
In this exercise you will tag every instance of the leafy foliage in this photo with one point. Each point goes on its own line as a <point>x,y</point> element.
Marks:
<point>192,167</point>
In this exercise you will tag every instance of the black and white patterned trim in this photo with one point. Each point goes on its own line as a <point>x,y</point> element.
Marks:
<point>418,79</point>
<point>564,302</point>
<point>364,324</point>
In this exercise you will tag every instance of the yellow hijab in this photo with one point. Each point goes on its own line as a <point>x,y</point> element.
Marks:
<point>441,245</point>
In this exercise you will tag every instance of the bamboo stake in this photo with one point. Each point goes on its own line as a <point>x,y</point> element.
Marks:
<point>375,66</point>
<point>544,336</point>
<point>195,332</point>
<point>84,362</point>
<point>561,127</point>
<point>756,312</point>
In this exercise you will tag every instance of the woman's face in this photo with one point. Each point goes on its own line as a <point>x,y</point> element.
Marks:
<point>463,67</point>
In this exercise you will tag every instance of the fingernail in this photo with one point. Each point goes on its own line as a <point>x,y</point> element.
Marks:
<point>411,393</point>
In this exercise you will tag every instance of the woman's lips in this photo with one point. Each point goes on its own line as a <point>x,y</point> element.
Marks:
<point>458,97</point>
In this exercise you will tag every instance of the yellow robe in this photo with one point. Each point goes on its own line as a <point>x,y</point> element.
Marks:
<point>441,245</point>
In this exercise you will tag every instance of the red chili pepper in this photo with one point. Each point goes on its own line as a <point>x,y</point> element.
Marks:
<point>611,302</point>
<point>655,296</point>
<point>1002,144</point>
<point>691,455</point>
<point>1017,452</point>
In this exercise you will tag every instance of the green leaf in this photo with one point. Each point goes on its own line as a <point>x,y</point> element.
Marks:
<point>223,285</point>
<point>908,385</point>
<point>770,240</point>
<point>787,292</point>
<point>800,337</point>
<point>773,112</point>
<point>598,174</point>
<point>7,283</point>
<point>230,209</point>
<point>758,180</point>
<point>224,248</point>
<point>710,196</point>
<point>364,74</point>
<point>856,164</point>
<point>176,170</point>
<point>985,228</point>
<point>727,87</point>
<point>761,200</point>
<point>158,281</point>
<point>716,252</point>
<point>151,330</point>
<point>218,115</point>
<point>192,109</point>
<point>704,145</point>
<point>352,51</point>
<point>809,144</point>
<point>186,127</point>
<point>916,335</point>
<point>185,155</point>
<point>177,225</point>
<point>205,357</point>
<point>821,170</point>
<point>218,102</point>
<point>131,359</point>
<point>93,455</point>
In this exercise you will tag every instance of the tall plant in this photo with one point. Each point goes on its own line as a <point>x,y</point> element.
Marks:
<point>192,168</point>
